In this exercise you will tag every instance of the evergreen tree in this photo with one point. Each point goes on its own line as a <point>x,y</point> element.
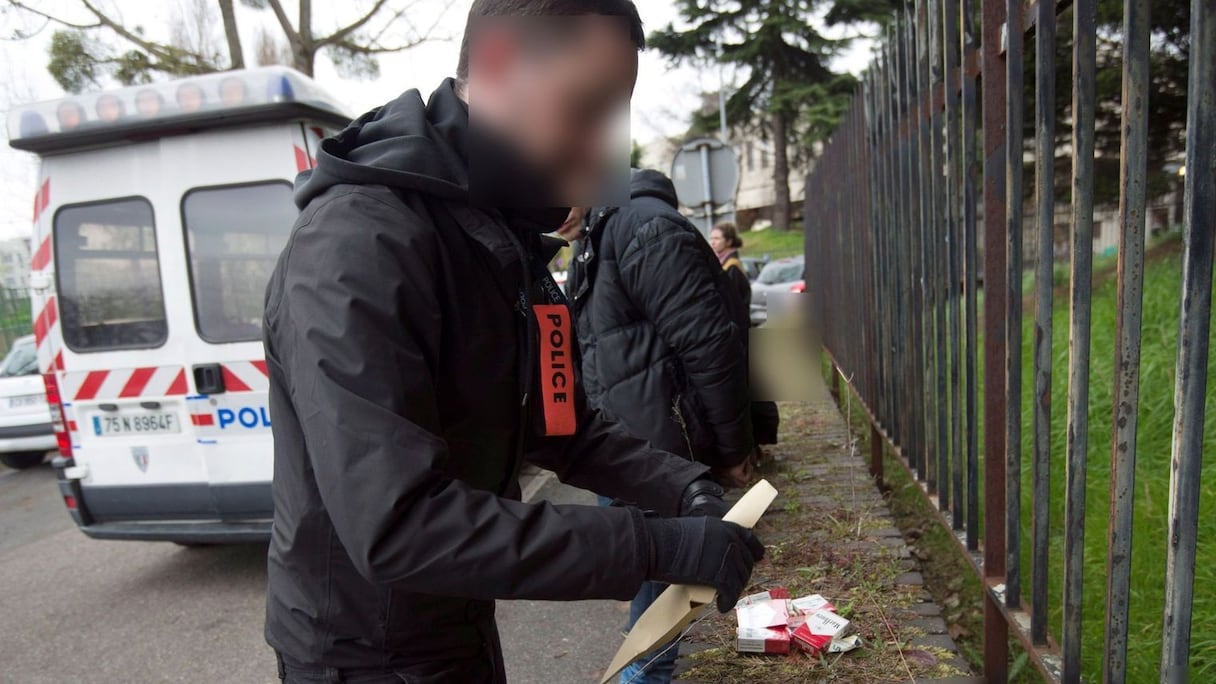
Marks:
<point>791,93</point>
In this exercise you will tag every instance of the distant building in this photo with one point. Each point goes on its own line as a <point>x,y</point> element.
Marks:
<point>757,193</point>
<point>15,264</point>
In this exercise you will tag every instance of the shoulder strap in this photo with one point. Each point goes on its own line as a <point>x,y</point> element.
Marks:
<point>732,262</point>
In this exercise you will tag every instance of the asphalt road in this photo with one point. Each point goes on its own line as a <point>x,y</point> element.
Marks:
<point>74,609</point>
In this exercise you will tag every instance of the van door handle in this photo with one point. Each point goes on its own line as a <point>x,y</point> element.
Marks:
<point>209,379</point>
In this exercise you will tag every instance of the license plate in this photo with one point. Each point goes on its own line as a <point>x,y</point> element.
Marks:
<point>26,400</point>
<point>142,424</point>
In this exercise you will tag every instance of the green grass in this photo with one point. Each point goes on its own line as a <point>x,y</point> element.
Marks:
<point>1156,412</point>
<point>775,243</point>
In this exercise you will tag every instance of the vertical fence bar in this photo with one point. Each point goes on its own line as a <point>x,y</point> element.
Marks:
<point>937,271</point>
<point>954,279</point>
<point>967,148</point>
<point>916,420</point>
<point>1133,193</point>
<point>1013,305</point>
<point>1044,188</point>
<point>904,299</point>
<point>887,154</point>
<point>1083,104</point>
<point>919,60</point>
<point>996,631</point>
<point>1190,389</point>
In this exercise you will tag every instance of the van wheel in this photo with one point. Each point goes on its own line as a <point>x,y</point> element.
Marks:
<point>22,459</point>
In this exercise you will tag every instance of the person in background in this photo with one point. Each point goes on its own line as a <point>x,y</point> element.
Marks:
<point>661,352</point>
<point>726,243</point>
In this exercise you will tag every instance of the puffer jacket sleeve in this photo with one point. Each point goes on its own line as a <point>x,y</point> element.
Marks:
<point>670,273</point>
<point>354,319</point>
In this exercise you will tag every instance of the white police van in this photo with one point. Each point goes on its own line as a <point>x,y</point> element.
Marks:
<point>159,215</point>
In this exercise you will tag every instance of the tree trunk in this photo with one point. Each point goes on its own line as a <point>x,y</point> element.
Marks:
<point>236,56</point>
<point>781,172</point>
<point>303,50</point>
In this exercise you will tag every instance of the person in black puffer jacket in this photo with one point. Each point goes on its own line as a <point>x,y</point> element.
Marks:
<point>662,352</point>
<point>663,347</point>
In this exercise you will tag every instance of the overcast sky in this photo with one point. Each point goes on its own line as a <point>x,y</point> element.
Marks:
<point>661,104</point>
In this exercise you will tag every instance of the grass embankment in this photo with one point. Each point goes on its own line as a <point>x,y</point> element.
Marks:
<point>1162,280</point>
<point>777,244</point>
<point>1154,438</point>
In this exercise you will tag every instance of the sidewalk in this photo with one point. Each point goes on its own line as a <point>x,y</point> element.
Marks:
<point>830,532</point>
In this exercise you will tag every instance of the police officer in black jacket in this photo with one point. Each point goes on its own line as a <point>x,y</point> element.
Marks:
<point>419,353</point>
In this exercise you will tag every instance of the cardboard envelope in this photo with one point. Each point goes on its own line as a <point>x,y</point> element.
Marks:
<point>677,607</point>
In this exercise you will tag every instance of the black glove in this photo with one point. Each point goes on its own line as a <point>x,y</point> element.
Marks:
<point>703,497</point>
<point>703,551</point>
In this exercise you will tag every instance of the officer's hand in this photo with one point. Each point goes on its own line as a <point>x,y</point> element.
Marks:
<point>703,497</point>
<point>703,551</point>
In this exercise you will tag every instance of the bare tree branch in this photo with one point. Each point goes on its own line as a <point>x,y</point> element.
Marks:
<point>284,20</point>
<point>52,18</point>
<point>341,34</point>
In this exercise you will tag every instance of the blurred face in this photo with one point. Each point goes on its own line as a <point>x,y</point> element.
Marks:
<point>717,241</point>
<point>562,100</point>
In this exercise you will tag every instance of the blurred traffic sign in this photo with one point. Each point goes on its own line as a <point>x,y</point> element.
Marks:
<point>706,175</point>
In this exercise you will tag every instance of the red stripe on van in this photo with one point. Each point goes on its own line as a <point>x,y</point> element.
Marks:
<point>261,365</point>
<point>137,382</point>
<point>46,319</point>
<point>202,419</point>
<point>57,364</point>
<point>178,387</point>
<point>90,386</point>
<point>42,199</point>
<point>42,257</point>
<point>302,162</point>
<point>71,426</point>
<point>232,383</point>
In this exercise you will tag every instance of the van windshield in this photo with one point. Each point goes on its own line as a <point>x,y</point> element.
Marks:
<point>234,236</point>
<point>106,263</point>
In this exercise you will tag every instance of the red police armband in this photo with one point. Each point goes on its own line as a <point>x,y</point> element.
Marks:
<point>556,369</point>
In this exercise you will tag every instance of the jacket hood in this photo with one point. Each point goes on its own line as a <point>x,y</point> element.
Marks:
<point>650,183</point>
<point>405,144</point>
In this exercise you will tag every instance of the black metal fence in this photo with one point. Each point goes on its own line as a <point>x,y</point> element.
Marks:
<point>901,275</point>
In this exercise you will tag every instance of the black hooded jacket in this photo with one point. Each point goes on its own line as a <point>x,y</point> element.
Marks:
<point>396,336</point>
<point>663,352</point>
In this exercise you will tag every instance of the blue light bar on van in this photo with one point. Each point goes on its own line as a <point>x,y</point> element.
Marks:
<point>173,107</point>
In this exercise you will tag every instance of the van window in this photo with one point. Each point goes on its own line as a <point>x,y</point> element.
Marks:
<point>234,235</point>
<point>110,293</point>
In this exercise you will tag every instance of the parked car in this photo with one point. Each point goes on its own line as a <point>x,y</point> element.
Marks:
<point>26,434</point>
<point>752,266</point>
<point>782,276</point>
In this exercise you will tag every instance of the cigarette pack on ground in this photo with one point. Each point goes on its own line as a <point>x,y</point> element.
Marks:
<point>770,641</point>
<point>800,608</point>
<point>819,630</point>
<point>763,623</point>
